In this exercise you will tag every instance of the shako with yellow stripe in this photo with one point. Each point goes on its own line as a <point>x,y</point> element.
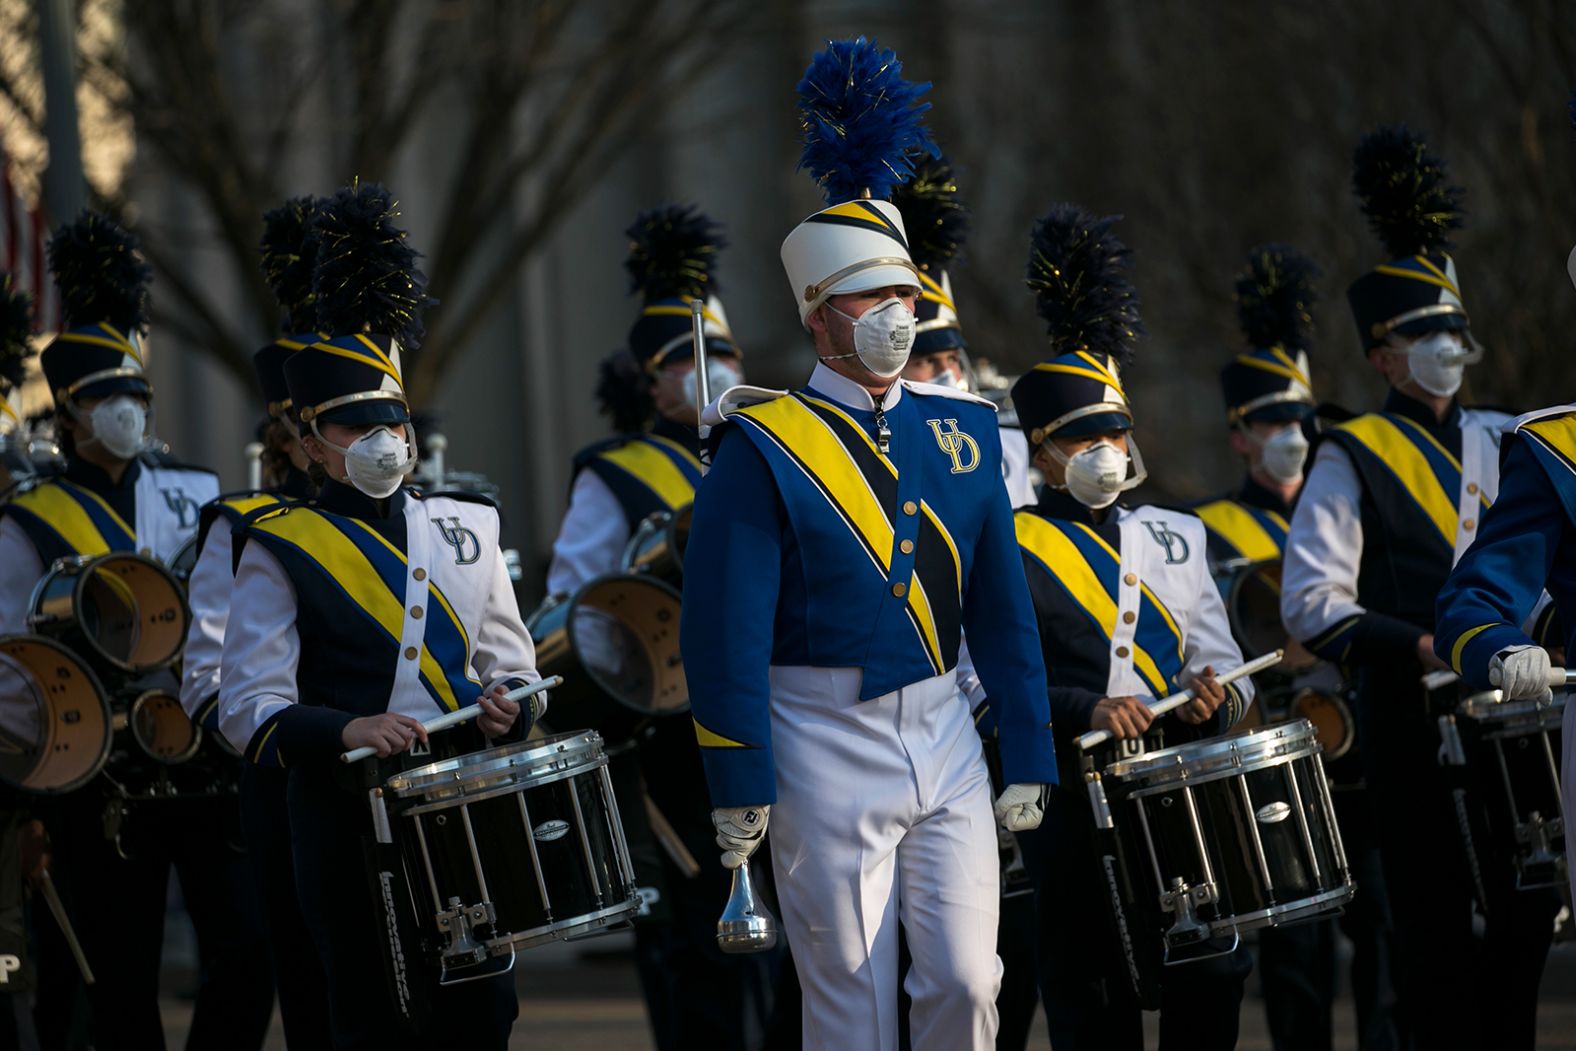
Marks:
<point>859,242</point>
<point>1411,205</point>
<point>103,282</point>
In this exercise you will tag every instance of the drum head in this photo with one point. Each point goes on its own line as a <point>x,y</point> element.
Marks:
<point>1253,607</point>
<point>55,725</point>
<point>1331,719</point>
<point>162,729</point>
<point>132,610</point>
<point>625,630</point>
<point>1213,758</point>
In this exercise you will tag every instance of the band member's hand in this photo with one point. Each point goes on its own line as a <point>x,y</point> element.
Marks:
<point>1426,654</point>
<point>33,850</point>
<point>1019,807</point>
<point>1297,656</point>
<point>1123,717</point>
<point>1209,695</point>
<point>1522,672</point>
<point>740,832</point>
<point>498,714</point>
<point>387,734</point>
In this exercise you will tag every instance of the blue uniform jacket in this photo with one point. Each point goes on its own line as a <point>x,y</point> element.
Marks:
<point>811,548</point>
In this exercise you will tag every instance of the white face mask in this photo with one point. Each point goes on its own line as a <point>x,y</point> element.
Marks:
<point>1098,474</point>
<point>719,377</point>
<point>883,337</point>
<point>1438,360</point>
<point>376,462</point>
<point>120,425</point>
<point>948,378</point>
<point>1283,454</point>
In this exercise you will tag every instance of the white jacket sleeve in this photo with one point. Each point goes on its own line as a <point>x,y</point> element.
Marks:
<point>208,594</point>
<point>261,649</point>
<point>1324,550</point>
<point>591,539</point>
<point>20,571</point>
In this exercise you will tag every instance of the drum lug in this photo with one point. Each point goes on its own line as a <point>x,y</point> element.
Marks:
<point>381,829</point>
<point>1098,801</point>
<point>1182,901</point>
<point>1451,751</point>
<point>459,923</point>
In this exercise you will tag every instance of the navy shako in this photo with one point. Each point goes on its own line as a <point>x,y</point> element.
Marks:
<point>868,517</point>
<point>938,224</point>
<point>103,282</point>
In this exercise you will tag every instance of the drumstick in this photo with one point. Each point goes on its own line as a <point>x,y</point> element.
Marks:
<point>463,715</point>
<point>46,884</point>
<point>1177,700</point>
<point>1561,677</point>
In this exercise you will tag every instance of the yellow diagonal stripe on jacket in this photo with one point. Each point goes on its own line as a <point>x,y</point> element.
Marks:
<point>1399,452</point>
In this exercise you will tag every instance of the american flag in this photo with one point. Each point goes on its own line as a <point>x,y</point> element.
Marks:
<point>24,231</point>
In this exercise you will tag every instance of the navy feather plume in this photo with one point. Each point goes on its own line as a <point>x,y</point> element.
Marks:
<point>673,253</point>
<point>101,275</point>
<point>861,121</point>
<point>935,219</point>
<point>1276,292</point>
<point>365,278</point>
<point>1405,191</point>
<point>1078,273</point>
<point>289,255</point>
<point>16,333</point>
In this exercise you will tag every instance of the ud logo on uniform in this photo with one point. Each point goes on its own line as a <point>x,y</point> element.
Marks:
<point>467,549</point>
<point>1174,543</point>
<point>954,442</point>
<point>183,507</point>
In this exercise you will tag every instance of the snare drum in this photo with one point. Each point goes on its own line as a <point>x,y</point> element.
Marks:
<point>123,612</point>
<point>657,546</point>
<point>1512,752</point>
<point>512,847</point>
<point>1227,835</point>
<point>55,722</point>
<point>616,643</point>
<point>160,727</point>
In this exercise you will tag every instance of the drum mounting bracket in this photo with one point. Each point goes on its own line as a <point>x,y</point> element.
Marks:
<point>459,922</point>
<point>1182,901</point>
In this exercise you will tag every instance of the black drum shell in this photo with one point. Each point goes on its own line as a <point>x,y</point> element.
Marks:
<point>1513,759</point>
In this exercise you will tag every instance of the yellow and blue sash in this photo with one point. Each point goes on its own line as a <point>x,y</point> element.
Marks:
<point>1251,533</point>
<point>1554,443</point>
<point>1423,469</point>
<point>1088,572</point>
<point>58,514</point>
<point>861,485</point>
<point>661,465</point>
<point>370,574</point>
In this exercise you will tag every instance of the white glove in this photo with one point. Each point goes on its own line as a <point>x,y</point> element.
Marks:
<point>740,830</point>
<point>1521,672</point>
<point>1018,808</point>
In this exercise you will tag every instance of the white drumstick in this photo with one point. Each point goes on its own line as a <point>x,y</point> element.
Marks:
<point>1561,677</point>
<point>463,715</point>
<point>1438,679</point>
<point>1177,700</point>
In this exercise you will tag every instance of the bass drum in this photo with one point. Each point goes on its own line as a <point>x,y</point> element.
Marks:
<point>657,546</point>
<point>125,613</point>
<point>616,643</point>
<point>55,721</point>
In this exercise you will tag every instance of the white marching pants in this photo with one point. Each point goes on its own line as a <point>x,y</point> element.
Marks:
<point>883,813</point>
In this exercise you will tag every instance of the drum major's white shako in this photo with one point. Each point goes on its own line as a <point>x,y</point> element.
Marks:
<point>850,247</point>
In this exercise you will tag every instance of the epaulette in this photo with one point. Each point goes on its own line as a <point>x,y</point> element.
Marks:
<point>456,494</point>
<point>1553,412</point>
<point>735,398</point>
<point>937,390</point>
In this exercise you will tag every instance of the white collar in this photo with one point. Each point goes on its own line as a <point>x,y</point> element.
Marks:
<point>842,389</point>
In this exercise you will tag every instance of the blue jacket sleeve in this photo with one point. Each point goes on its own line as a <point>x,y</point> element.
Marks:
<point>1495,586</point>
<point>732,571</point>
<point>999,622</point>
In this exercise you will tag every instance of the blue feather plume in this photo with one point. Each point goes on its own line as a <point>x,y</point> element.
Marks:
<point>861,121</point>
<point>1078,273</point>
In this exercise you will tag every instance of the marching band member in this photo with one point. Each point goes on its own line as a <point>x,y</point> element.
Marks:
<point>844,536</point>
<point>111,499</point>
<point>288,254</point>
<point>652,465</point>
<point>1127,612</point>
<point>368,610</point>
<point>1269,405</point>
<point>1391,502</point>
<point>939,222</point>
<point>696,995</point>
